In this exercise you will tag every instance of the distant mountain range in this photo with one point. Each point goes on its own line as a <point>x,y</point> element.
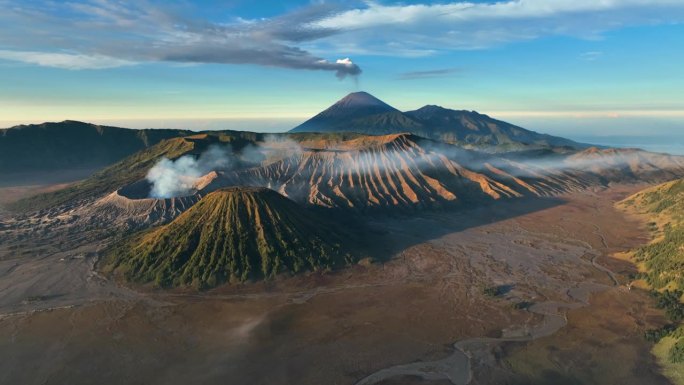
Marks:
<point>363,113</point>
<point>71,144</point>
<point>78,145</point>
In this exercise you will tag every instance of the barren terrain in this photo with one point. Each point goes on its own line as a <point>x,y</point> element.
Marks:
<point>420,315</point>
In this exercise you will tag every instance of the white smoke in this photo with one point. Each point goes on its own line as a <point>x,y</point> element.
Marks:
<point>270,149</point>
<point>180,177</point>
<point>172,178</point>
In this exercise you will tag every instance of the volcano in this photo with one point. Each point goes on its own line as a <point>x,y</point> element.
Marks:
<point>232,235</point>
<point>362,112</point>
<point>359,112</point>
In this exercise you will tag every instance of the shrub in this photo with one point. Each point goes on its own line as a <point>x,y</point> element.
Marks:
<point>677,352</point>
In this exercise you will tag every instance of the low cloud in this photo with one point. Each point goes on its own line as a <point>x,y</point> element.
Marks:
<point>591,55</point>
<point>65,60</point>
<point>436,73</point>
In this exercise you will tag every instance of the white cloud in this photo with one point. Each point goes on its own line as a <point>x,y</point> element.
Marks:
<point>457,12</point>
<point>591,55</point>
<point>467,25</point>
<point>64,60</point>
<point>106,33</point>
<point>90,33</point>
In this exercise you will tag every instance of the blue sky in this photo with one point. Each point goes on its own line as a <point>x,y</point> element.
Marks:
<point>579,68</point>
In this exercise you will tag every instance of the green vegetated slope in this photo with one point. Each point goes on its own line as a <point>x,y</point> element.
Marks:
<point>127,171</point>
<point>232,235</point>
<point>133,169</point>
<point>663,259</point>
<point>662,265</point>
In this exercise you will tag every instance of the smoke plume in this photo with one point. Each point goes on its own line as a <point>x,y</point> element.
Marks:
<point>180,177</point>
<point>172,178</point>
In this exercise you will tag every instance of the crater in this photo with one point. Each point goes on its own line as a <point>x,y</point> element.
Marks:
<point>142,189</point>
<point>138,190</point>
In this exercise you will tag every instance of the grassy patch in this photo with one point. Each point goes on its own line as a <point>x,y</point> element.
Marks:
<point>672,370</point>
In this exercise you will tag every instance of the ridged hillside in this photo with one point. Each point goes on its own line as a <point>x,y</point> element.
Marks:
<point>232,235</point>
<point>404,171</point>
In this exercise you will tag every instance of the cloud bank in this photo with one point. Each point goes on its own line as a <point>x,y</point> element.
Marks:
<point>99,34</point>
<point>444,26</point>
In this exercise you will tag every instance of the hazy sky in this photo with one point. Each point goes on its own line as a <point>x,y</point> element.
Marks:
<point>575,67</point>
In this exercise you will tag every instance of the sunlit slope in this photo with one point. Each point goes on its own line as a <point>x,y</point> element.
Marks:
<point>388,171</point>
<point>404,170</point>
<point>663,258</point>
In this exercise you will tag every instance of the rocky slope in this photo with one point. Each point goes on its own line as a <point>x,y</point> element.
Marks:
<point>406,171</point>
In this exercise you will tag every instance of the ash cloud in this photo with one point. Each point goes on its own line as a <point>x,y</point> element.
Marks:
<point>271,148</point>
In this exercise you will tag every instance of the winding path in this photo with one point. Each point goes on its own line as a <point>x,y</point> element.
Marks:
<point>456,368</point>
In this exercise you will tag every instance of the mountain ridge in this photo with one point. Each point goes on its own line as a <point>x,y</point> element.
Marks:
<point>430,121</point>
<point>73,144</point>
